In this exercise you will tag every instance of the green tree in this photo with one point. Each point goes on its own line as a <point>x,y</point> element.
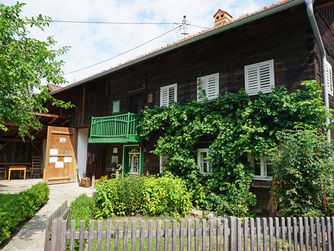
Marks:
<point>25,63</point>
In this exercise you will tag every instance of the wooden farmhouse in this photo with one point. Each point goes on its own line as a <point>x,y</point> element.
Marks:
<point>282,44</point>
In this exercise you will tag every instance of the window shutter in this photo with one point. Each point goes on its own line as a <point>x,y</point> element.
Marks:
<point>168,95</point>
<point>259,77</point>
<point>212,86</point>
<point>329,78</point>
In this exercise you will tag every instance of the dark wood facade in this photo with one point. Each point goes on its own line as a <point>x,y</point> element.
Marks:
<point>286,37</point>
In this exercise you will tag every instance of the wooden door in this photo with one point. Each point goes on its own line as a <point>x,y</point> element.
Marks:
<point>60,161</point>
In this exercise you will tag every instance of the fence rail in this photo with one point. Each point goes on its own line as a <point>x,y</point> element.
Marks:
<point>216,234</point>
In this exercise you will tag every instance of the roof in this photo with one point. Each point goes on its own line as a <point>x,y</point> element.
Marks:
<point>54,87</point>
<point>247,18</point>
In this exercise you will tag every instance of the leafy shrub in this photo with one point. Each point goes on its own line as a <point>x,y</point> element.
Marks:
<point>131,195</point>
<point>303,166</point>
<point>20,208</point>
<point>82,208</point>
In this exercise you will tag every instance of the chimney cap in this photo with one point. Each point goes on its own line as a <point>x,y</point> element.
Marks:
<point>221,11</point>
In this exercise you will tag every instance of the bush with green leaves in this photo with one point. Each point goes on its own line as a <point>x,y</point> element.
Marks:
<point>20,208</point>
<point>133,194</point>
<point>303,167</point>
<point>231,125</point>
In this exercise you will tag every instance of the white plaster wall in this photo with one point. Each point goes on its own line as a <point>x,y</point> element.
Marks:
<point>82,152</point>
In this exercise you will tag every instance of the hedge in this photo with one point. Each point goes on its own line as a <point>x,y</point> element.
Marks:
<point>20,208</point>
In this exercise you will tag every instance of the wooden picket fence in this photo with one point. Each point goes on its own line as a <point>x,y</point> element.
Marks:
<point>216,234</point>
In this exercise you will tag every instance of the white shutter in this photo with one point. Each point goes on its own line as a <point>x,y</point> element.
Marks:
<point>259,77</point>
<point>168,95</point>
<point>329,78</point>
<point>210,84</point>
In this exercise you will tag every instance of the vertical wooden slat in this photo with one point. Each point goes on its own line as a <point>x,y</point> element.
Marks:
<point>90,235</point>
<point>133,235</point>
<point>189,235</point>
<point>158,235</point>
<point>117,235</point>
<point>218,234</point>
<point>197,235</point>
<point>288,223</point>
<point>246,234</point>
<point>204,234</point>
<point>258,234</point>
<point>295,232</point>
<point>125,235</point>
<point>150,235</point>
<point>142,236</point>
<point>226,234</point>
<point>108,237</point>
<point>301,233</point>
<point>271,235</point>
<point>277,233</point>
<point>329,237</point>
<point>252,231</point>
<point>211,242</point>
<point>283,233</point>
<point>181,235</point>
<point>317,230</point>
<point>233,233</point>
<point>166,234</point>
<point>99,235</point>
<point>312,233</point>
<point>73,224</point>
<point>323,233</point>
<point>239,235</point>
<point>307,233</point>
<point>265,234</point>
<point>81,235</point>
<point>174,236</point>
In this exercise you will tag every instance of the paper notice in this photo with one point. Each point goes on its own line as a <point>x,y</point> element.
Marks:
<point>53,151</point>
<point>62,140</point>
<point>68,159</point>
<point>53,159</point>
<point>59,165</point>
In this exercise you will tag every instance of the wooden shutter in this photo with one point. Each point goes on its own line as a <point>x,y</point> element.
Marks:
<point>210,84</point>
<point>259,77</point>
<point>168,95</point>
<point>329,78</point>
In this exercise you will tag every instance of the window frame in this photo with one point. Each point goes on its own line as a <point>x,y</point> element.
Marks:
<point>329,78</point>
<point>161,162</point>
<point>271,77</point>
<point>119,106</point>
<point>264,162</point>
<point>206,79</point>
<point>168,87</point>
<point>199,151</point>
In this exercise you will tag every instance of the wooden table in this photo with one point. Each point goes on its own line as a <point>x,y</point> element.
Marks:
<point>8,170</point>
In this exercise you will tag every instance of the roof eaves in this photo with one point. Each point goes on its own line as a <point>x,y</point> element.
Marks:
<point>283,5</point>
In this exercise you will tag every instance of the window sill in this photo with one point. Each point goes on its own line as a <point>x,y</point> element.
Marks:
<point>264,178</point>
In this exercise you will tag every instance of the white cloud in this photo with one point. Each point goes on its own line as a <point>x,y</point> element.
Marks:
<point>92,43</point>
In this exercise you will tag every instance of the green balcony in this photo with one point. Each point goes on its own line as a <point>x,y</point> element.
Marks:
<point>115,129</point>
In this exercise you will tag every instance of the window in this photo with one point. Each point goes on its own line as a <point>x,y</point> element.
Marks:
<point>204,166</point>
<point>209,85</point>
<point>164,160</point>
<point>262,167</point>
<point>116,106</point>
<point>168,95</point>
<point>259,77</point>
<point>329,78</point>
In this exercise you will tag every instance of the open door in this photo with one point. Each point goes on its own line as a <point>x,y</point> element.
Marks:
<point>60,161</point>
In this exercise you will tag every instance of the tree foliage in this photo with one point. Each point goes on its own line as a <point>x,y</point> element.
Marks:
<point>231,125</point>
<point>26,63</point>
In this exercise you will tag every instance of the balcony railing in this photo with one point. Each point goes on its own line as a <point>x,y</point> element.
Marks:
<point>115,129</point>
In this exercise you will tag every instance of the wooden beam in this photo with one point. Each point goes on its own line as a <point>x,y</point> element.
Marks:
<point>51,121</point>
<point>65,122</point>
<point>324,5</point>
<point>49,115</point>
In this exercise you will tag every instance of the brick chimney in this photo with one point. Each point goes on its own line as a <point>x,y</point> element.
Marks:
<point>221,17</point>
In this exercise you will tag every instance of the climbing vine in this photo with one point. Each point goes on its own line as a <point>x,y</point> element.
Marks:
<point>231,126</point>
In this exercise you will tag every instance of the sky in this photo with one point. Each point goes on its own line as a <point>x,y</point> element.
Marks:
<point>93,43</point>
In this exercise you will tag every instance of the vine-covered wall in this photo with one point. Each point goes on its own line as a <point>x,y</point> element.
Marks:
<point>231,125</point>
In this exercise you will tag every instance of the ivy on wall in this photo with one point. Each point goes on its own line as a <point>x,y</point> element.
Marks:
<point>231,126</point>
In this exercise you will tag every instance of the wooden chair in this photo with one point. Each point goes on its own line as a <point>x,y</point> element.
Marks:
<point>36,166</point>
